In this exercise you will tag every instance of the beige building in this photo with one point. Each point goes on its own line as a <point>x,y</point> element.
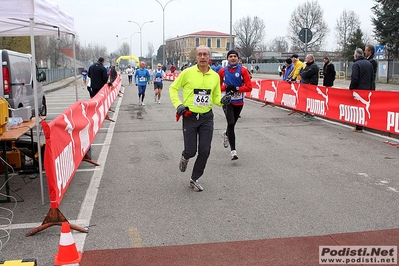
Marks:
<point>181,50</point>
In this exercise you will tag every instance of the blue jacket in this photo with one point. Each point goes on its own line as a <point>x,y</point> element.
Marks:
<point>288,71</point>
<point>141,77</point>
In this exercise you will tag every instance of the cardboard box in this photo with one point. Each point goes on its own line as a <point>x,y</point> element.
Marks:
<point>13,159</point>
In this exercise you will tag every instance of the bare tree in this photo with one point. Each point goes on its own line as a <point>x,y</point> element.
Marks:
<point>84,54</point>
<point>124,49</point>
<point>249,34</point>
<point>346,26</point>
<point>263,47</point>
<point>100,51</point>
<point>192,57</point>
<point>170,50</point>
<point>368,39</point>
<point>42,48</point>
<point>308,15</point>
<point>178,53</point>
<point>151,50</point>
<point>279,44</point>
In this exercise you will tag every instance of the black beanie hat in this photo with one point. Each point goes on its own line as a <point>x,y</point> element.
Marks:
<point>232,52</point>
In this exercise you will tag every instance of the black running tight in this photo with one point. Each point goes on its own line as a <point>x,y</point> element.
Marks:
<point>232,112</point>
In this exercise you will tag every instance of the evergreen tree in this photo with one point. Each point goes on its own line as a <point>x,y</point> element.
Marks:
<point>386,23</point>
<point>354,41</point>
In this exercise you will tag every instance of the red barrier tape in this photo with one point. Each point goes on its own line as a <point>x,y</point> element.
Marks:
<point>373,109</point>
<point>171,76</point>
<point>69,136</point>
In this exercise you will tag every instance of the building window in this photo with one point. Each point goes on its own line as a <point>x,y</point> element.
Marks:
<point>209,42</point>
<point>197,42</point>
<point>218,43</point>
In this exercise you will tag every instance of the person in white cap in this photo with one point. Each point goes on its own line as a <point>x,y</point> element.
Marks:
<point>158,75</point>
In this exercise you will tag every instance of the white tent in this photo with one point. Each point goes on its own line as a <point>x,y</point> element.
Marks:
<point>34,18</point>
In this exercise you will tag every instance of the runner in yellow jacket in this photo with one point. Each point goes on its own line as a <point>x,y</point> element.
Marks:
<point>201,90</point>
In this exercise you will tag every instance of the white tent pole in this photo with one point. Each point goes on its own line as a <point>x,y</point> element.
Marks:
<point>74,67</point>
<point>35,86</point>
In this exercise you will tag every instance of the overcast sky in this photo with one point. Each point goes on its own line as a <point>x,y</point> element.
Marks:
<point>99,21</point>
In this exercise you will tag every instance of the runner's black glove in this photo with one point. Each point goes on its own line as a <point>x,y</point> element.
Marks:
<point>226,99</point>
<point>231,88</point>
<point>181,109</point>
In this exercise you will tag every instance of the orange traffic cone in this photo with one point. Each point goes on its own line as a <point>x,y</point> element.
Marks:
<point>67,252</point>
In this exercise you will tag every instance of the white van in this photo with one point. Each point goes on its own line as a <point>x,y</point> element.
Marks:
<point>16,81</point>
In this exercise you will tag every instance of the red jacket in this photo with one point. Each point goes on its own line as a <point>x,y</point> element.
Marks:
<point>246,83</point>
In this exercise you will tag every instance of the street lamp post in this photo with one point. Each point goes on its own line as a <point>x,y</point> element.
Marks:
<point>122,40</point>
<point>141,32</point>
<point>163,29</point>
<point>231,26</point>
<point>117,42</point>
<point>131,47</point>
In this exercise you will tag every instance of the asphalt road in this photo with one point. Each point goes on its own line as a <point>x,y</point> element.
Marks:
<point>293,178</point>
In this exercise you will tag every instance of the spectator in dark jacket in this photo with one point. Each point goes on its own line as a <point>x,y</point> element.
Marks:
<point>98,77</point>
<point>328,72</point>
<point>369,52</point>
<point>112,74</point>
<point>310,75</point>
<point>362,76</point>
<point>362,72</point>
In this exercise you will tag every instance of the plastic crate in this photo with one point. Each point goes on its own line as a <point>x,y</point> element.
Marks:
<point>24,262</point>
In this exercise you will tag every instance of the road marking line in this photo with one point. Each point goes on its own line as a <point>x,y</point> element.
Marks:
<point>135,238</point>
<point>88,170</point>
<point>35,225</point>
<point>86,210</point>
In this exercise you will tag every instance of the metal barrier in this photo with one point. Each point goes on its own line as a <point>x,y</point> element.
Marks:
<point>53,75</point>
<point>340,75</point>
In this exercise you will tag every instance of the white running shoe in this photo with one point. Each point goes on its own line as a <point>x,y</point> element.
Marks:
<point>234,155</point>
<point>159,102</point>
<point>196,186</point>
<point>225,140</point>
<point>142,103</point>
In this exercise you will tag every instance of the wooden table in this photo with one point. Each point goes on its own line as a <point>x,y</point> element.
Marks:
<point>13,134</point>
